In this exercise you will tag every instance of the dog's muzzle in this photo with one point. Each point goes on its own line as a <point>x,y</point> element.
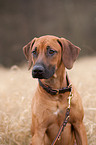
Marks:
<point>40,71</point>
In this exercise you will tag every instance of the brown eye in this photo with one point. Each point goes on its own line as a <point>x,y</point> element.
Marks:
<point>50,52</point>
<point>34,52</point>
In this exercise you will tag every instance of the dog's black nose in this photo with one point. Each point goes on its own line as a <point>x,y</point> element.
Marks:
<point>37,71</point>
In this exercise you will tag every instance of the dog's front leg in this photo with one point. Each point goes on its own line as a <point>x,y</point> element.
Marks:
<point>40,138</point>
<point>80,133</point>
<point>37,139</point>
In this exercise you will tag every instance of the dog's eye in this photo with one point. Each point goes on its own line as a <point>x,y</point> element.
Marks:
<point>51,51</point>
<point>34,52</point>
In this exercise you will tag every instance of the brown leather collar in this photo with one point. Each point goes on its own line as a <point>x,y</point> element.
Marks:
<point>49,90</point>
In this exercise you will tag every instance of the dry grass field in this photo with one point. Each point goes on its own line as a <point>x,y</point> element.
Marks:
<point>17,88</point>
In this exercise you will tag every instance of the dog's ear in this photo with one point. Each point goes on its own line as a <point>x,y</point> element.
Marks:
<point>69,52</point>
<point>27,52</point>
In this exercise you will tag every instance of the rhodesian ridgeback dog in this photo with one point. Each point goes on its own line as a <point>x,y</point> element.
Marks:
<point>57,111</point>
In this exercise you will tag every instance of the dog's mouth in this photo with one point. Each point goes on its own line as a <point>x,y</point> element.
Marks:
<point>40,71</point>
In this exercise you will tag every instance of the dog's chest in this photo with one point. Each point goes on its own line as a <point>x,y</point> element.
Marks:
<point>59,112</point>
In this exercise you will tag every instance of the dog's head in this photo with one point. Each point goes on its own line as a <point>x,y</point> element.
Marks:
<point>46,54</point>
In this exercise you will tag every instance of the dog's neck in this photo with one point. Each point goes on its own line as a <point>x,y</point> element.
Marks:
<point>58,80</point>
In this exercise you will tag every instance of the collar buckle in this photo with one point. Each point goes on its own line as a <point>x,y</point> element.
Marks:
<point>57,92</point>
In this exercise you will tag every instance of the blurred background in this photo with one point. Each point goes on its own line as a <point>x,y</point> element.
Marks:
<point>22,20</point>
